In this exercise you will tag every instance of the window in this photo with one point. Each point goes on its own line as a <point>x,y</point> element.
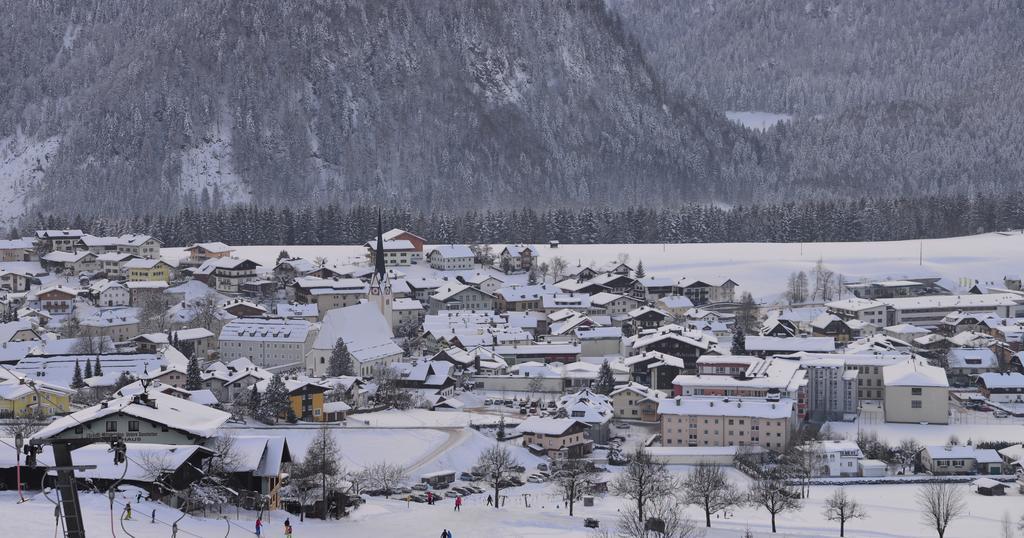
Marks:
<point>111,425</point>
<point>133,425</point>
<point>916,391</point>
<point>915,404</point>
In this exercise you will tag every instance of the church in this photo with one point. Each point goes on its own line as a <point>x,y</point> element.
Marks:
<point>366,327</point>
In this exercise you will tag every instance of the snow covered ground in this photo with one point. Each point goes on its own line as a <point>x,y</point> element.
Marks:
<point>758,121</point>
<point>760,268</point>
<point>892,512</point>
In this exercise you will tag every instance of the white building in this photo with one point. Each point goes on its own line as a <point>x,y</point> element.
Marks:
<point>367,334</point>
<point>451,257</point>
<point>267,342</point>
<point>836,458</point>
<point>916,392</point>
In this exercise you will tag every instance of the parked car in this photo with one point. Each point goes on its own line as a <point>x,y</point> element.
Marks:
<point>420,487</point>
<point>534,479</point>
<point>1000,414</point>
<point>542,467</point>
<point>467,477</point>
<point>451,494</point>
<point>622,425</point>
<point>488,401</point>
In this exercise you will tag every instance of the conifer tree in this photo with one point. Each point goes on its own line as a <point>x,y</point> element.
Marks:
<point>739,340</point>
<point>76,377</point>
<point>97,370</point>
<point>193,377</point>
<point>340,362</point>
<point>254,402</point>
<point>605,382</point>
<point>88,368</point>
<point>640,271</point>
<point>274,403</point>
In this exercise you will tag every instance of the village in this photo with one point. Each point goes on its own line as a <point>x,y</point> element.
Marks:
<point>206,383</point>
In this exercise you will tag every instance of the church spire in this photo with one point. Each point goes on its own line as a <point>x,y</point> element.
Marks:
<point>379,256</point>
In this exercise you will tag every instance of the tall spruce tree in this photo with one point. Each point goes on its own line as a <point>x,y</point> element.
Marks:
<point>605,382</point>
<point>340,362</point>
<point>97,370</point>
<point>640,271</point>
<point>76,377</point>
<point>739,340</point>
<point>254,403</point>
<point>88,368</point>
<point>274,404</point>
<point>193,377</point>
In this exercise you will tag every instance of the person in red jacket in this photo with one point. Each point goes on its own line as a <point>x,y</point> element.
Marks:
<point>458,503</point>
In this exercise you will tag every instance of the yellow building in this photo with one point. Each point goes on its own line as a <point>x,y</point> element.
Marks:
<point>142,269</point>
<point>307,401</point>
<point>18,400</point>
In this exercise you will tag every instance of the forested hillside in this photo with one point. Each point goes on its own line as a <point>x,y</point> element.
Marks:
<point>438,104</point>
<point>889,98</point>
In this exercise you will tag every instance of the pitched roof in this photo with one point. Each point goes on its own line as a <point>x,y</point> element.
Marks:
<point>182,415</point>
<point>914,373</point>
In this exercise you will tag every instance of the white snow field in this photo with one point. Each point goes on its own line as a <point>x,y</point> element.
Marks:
<point>758,121</point>
<point>760,268</point>
<point>892,512</point>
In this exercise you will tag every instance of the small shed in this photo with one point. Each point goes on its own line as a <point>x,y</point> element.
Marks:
<point>872,468</point>
<point>553,244</point>
<point>438,479</point>
<point>989,487</point>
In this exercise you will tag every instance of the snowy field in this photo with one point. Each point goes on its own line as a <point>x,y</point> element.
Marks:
<point>361,447</point>
<point>892,512</point>
<point>760,268</point>
<point>758,121</point>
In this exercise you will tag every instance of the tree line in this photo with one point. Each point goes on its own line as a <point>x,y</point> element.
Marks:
<point>863,219</point>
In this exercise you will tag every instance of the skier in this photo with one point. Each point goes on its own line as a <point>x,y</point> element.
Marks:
<point>152,519</point>
<point>128,511</point>
<point>444,533</point>
<point>458,503</point>
<point>259,526</point>
<point>430,498</point>
<point>287,528</point>
<point>490,501</point>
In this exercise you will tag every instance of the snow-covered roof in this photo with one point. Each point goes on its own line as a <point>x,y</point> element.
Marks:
<point>366,333</point>
<point>146,461</point>
<point>214,247</point>
<point>10,329</point>
<point>548,426</point>
<point>817,344</point>
<point>451,251</point>
<point>257,329</point>
<point>854,304</point>
<point>566,300</point>
<point>642,390</point>
<point>286,310</point>
<point>914,373</point>
<point>676,301</point>
<point>723,406</point>
<point>59,256</point>
<point>981,358</point>
<point>906,329</point>
<point>963,452</point>
<point>175,413</point>
<point>1002,380</point>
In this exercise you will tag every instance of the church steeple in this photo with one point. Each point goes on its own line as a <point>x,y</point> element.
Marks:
<point>380,284</point>
<point>378,257</point>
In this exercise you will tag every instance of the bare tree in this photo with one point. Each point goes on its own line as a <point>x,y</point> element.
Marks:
<point>842,508</point>
<point>153,317</point>
<point>93,345</point>
<point>940,503</point>
<point>665,519</point>
<point>573,480</point>
<point>497,465</point>
<point>643,481</point>
<point>906,453</point>
<point>204,311</point>
<point>360,481</point>
<point>707,487</point>
<point>800,462</point>
<point>771,492</point>
<point>388,390</point>
<point>824,282</point>
<point>385,476</point>
<point>557,267</point>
